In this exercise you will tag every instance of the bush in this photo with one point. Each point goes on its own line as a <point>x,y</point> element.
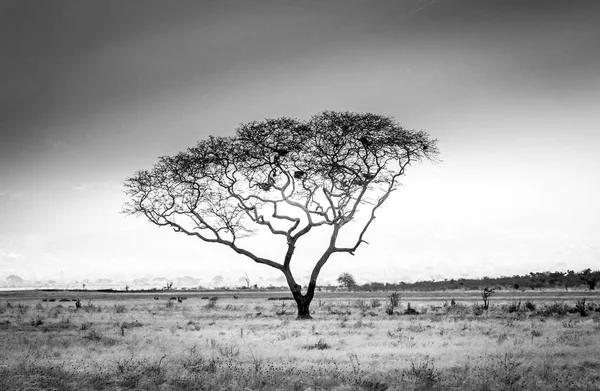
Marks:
<point>362,305</point>
<point>514,307</point>
<point>91,308</point>
<point>477,309</point>
<point>332,310</point>
<point>581,307</point>
<point>120,308</point>
<point>529,306</point>
<point>423,374</point>
<point>395,299</point>
<point>280,311</point>
<point>393,302</point>
<point>36,321</point>
<point>21,308</point>
<point>555,308</point>
<point>320,345</point>
<point>410,311</point>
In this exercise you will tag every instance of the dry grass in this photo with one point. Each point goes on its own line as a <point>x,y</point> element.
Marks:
<point>251,343</point>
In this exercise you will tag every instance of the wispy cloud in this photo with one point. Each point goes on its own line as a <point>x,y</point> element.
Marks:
<point>421,5</point>
<point>5,254</point>
<point>96,186</point>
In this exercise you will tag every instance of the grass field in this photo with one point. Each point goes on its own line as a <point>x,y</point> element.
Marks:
<point>134,341</point>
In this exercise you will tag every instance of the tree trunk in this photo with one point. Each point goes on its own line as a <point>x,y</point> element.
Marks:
<point>303,303</point>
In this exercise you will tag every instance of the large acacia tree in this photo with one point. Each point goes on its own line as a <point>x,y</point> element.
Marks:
<point>285,177</point>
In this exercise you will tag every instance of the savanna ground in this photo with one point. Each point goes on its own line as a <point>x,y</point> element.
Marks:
<point>131,341</point>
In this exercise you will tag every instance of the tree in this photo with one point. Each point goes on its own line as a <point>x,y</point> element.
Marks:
<point>346,280</point>
<point>282,177</point>
<point>590,278</point>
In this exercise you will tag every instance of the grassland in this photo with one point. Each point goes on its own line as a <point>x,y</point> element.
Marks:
<point>132,341</point>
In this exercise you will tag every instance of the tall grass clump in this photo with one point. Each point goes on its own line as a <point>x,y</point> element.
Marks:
<point>422,374</point>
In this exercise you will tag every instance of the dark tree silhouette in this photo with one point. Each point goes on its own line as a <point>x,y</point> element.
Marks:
<point>285,177</point>
<point>346,280</point>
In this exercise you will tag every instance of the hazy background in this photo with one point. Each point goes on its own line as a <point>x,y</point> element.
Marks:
<point>92,91</point>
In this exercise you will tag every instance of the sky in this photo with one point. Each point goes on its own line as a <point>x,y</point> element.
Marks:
<point>93,91</point>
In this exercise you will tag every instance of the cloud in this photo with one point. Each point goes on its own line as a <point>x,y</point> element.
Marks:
<point>96,186</point>
<point>5,254</point>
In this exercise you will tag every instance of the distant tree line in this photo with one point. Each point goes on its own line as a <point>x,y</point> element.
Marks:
<point>541,280</point>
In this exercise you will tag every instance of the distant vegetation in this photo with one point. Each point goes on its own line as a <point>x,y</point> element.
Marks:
<point>585,279</point>
<point>542,280</point>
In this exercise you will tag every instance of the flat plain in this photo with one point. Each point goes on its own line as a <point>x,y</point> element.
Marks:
<point>249,340</point>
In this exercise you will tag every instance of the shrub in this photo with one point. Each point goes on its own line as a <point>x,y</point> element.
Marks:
<point>97,337</point>
<point>332,310</point>
<point>508,370</point>
<point>120,308</point>
<point>21,308</point>
<point>139,373</point>
<point>581,307</point>
<point>36,321</point>
<point>198,364</point>
<point>514,307</point>
<point>280,311</point>
<point>410,311</point>
<point>477,309</point>
<point>320,345</point>
<point>89,307</point>
<point>393,301</point>
<point>555,308</point>
<point>423,374</point>
<point>362,305</point>
<point>529,306</point>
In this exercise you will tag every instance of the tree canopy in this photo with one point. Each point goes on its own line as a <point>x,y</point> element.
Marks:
<point>346,280</point>
<point>282,175</point>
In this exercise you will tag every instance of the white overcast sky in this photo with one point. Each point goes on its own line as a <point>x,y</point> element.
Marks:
<point>92,91</point>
